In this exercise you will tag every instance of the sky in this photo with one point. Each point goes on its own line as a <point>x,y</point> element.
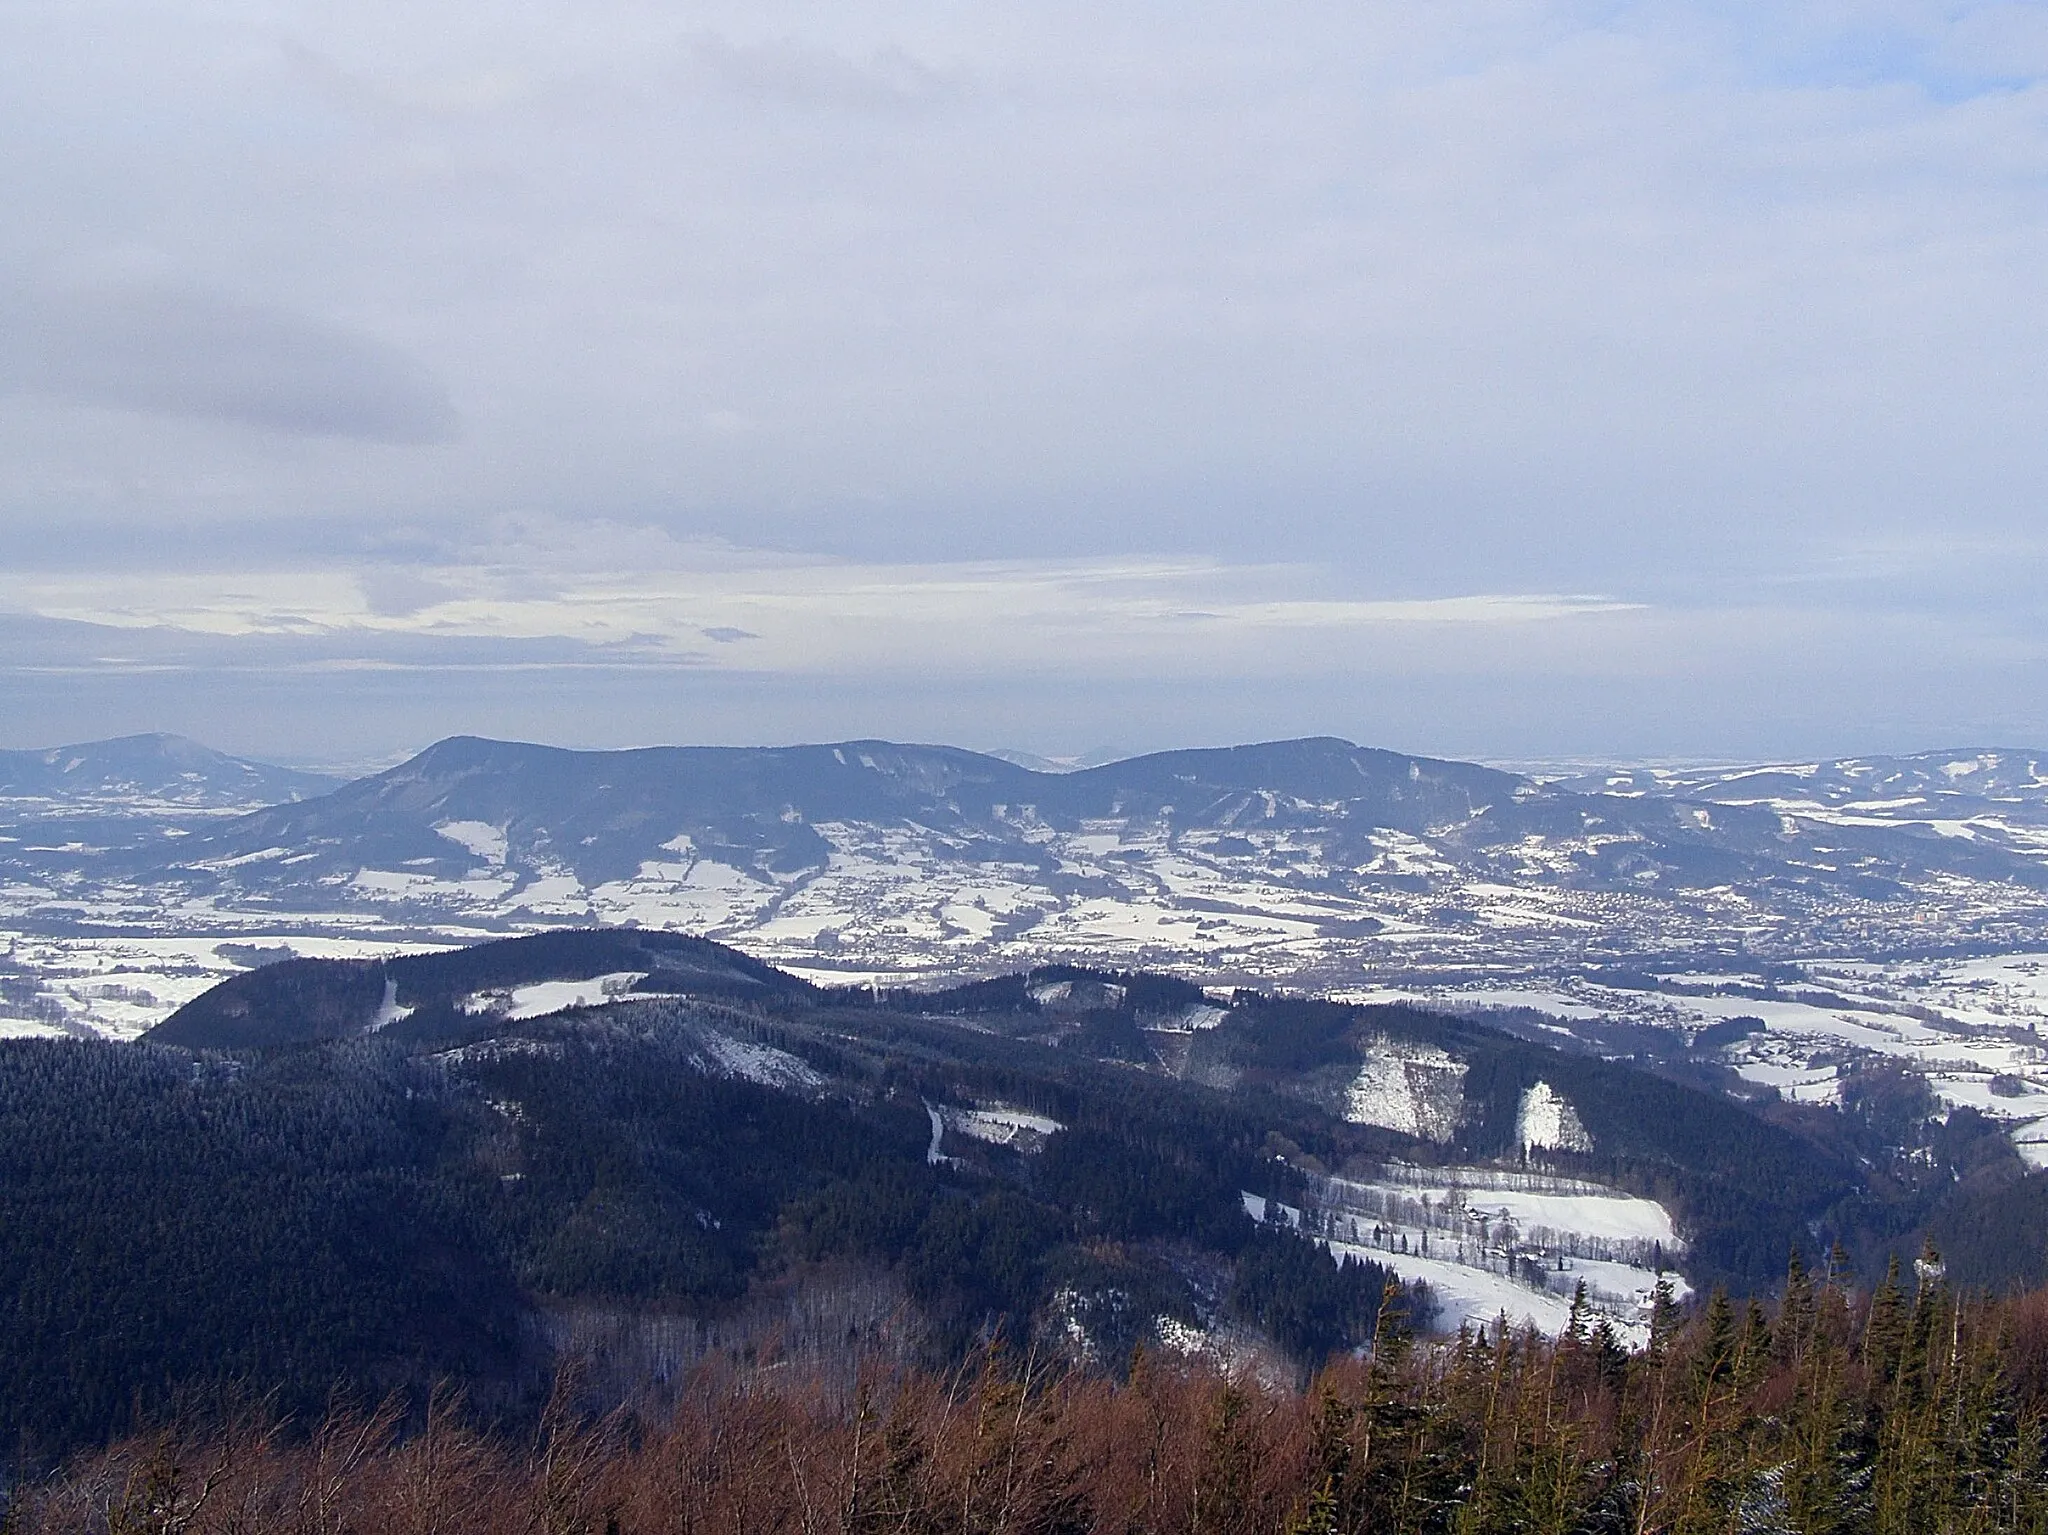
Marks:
<point>1501,380</point>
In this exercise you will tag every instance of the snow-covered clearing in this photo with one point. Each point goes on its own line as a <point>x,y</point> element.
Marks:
<point>1001,1125</point>
<point>478,838</point>
<point>1546,1122</point>
<point>724,1056</point>
<point>388,1010</point>
<point>1416,1089</point>
<point>544,997</point>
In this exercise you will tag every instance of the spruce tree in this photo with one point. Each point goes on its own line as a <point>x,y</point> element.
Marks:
<point>1796,1314</point>
<point>1884,1329</point>
<point>1713,1361</point>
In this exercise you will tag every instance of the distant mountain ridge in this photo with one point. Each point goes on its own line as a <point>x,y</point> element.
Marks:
<point>603,815</point>
<point>1314,858</point>
<point>156,768</point>
<point>2006,774</point>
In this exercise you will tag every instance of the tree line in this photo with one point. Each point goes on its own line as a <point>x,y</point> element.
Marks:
<point>1911,1409</point>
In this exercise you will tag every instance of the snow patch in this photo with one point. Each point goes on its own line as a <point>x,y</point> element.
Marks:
<point>2030,1140</point>
<point>1001,1125</point>
<point>934,1155</point>
<point>1416,1089</point>
<point>1546,1122</point>
<point>1178,1337</point>
<point>1047,993</point>
<point>722,1055</point>
<point>388,1010</point>
<point>479,838</point>
<point>544,997</point>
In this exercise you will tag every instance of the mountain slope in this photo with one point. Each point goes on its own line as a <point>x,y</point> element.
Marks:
<point>455,1164</point>
<point>1337,1076</point>
<point>602,815</point>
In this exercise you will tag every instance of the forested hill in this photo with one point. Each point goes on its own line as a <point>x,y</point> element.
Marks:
<point>1746,1180</point>
<point>645,1149</point>
<point>424,996</point>
<point>382,1212</point>
<point>452,822</point>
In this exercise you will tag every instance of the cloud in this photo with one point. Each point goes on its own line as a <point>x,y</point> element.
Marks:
<point>183,351</point>
<point>813,616</point>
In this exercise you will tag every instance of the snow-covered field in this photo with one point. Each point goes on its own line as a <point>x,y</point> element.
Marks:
<point>1262,903</point>
<point>1491,1242</point>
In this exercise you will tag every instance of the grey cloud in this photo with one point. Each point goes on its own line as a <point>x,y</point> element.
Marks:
<point>725,634</point>
<point>184,351</point>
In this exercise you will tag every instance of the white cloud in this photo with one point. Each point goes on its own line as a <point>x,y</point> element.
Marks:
<point>798,615</point>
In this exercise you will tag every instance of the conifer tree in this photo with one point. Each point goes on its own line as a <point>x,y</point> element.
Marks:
<point>1713,1361</point>
<point>1884,1329</point>
<point>1796,1313</point>
<point>1753,1348</point>
<point>1575,1325</point>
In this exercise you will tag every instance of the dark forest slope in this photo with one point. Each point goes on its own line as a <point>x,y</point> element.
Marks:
<point>273,1192</point>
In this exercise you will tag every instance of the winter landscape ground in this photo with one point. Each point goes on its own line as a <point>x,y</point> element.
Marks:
<point>1782,925</point>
